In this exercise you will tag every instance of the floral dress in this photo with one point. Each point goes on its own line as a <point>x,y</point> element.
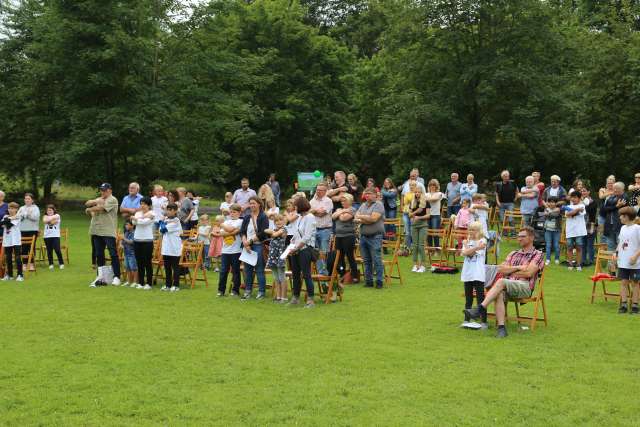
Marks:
<point>276,248</point>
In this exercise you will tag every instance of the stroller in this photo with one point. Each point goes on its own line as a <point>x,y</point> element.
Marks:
<point>537,222</point>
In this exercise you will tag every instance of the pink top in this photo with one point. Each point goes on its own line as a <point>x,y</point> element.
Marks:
<point>464,218</point>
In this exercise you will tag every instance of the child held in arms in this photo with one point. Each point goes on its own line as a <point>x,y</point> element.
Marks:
<point>473,272</point>
<point>627,256</point>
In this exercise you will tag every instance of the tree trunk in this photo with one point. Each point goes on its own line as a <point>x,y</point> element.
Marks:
<point>47,186</point>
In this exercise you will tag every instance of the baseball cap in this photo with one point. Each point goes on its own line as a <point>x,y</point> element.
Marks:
<point>104,186</point>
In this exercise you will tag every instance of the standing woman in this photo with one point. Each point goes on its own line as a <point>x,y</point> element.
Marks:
<point>346,237</point>
<point>434,197</point>
<point>419,213</point>
<point>304,239</point>
<point>144,221</point>
<point>252,232</point>
<point>355,189</point>
<point>406,210</point>
<point>390,201</point>
<point>29,223</point>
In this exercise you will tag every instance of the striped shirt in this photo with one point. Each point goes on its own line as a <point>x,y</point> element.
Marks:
<point>521,257</point>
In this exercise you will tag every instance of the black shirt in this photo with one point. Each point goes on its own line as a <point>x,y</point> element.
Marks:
<point>506,191</point>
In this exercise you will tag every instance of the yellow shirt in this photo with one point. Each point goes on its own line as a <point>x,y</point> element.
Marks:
<point>406,202</point>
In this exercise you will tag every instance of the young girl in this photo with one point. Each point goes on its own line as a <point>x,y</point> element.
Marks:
<point>291,216</point>
<point>130,264</point>
<point>193,221</point>
<point>144,220</point>
<point>204,231</point>
<point>464,217</point>
<point>275,263</point>
<point>226,205</point>
<point>419,216</point>
<point>12,242</point>
<point>52,236</point>
<point>272,211</point>
<point>480,211</point>
<point>473,274</point>
<point>627,256</point>
<point>215,242</point>
<point>171,250</point>
<point>552,229</point>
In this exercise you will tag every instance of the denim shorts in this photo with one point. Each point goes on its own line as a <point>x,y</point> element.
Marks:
<point>632,274</point>
<point>130,263</point>
<point>573,242</point>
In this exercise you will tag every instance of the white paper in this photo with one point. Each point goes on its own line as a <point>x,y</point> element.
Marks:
<point>249,257</point>
<point>287,251</point>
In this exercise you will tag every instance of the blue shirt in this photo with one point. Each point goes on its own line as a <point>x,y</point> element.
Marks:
<point>128,247</point>
<point>453,191</point>
<point>467,191</point>
<point>131,202</point>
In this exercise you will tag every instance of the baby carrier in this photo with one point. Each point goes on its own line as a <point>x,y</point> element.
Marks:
<point>537,223</point>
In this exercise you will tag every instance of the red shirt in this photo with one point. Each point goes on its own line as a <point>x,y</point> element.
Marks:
<point>541,187</point>
<point>520,257</point>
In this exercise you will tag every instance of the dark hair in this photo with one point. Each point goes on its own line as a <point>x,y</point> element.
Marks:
<point>552,199</point>
<point>302,205</point>
<point>55,211</point>
<point>147,201</point>
<point>628,211</point>
<point>257,199</point>
<point>193,193</point>
<point>29,195</point>
<point>175,195</point>
<point>172,206</point>
<point>574,193</point>
<point>128,221</point>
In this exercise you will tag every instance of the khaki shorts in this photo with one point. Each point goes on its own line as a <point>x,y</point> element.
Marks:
<point>516,289</point>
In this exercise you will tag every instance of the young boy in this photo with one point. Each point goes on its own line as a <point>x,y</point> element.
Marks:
<point>231,250</point>
<point>576,230</point>
<point>12,242</point>
<point>552,229</point>
<point>171,248</point>
<point>627,255</point>
<point>130,264</point>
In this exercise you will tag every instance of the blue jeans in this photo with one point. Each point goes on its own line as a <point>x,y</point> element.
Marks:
<point>611,240</point>
<point>259,270</point>
<point>206,262</point>
<point>503,208</point>
<point>453,210</point>
<point>552,241</point>
<point>434,224</point>
<point>407,229</point>
<point>390,214</point>
<point>371,251</point>
<point>588,253</point>
<point>323,237</point>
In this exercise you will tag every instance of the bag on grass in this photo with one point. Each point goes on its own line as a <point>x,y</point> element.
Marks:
<point>105,274</point>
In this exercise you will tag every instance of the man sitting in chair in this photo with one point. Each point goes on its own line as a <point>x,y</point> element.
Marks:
<point>519,274</point>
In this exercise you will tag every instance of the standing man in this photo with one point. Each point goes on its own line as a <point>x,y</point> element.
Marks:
<point>506,195</point>
<point>131,202</point>
<point>275,187</point>
<point>242,196</point>
<point>414,175</point>
<point>453,195</point>
<point>104,224</point>
<point>370,216</point>
<point>468,189</point>
<point>159,203</point>
<point>540,185</point>
<point>321,209</point>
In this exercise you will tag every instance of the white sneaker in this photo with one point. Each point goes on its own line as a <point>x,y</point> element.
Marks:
<point>19,279</point>
<point>147,288</point>
<point>61,266</point>
<point>164,289</point>
<point>138,286</point>
<point>51,267</point>
<point>125,284</point>
<point>421,270</point>
<point>174,289</point>
<point>6,278</point>
<point>557,261</point>
<point>414,269</point>
<point>579,268</point>
<point>116,281</point>
<point>570,268</point>
<point>547,262</point>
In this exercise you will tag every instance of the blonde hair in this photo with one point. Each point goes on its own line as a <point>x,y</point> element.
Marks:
<point>219,219</point>
<point>413,183</point>
<point>475,226</point>
<point>479,196</point>
<point>436,183</point>
<point>278,217</point>
<point>348,197</point>
<point>352,175</point>
<point>299,194</point>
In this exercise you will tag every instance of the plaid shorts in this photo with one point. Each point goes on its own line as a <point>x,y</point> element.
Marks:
<point>516,289</point>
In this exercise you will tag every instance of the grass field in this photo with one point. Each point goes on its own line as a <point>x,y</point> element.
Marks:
<point>117,356</point>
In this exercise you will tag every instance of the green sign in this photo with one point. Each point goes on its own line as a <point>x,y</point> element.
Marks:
<point>307,181</point>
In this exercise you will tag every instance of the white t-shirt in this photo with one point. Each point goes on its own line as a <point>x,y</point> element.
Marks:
<point>576,226</point>
<point>236,246</point>
<point>158,204</point>
<point>203,234</point>
<point>144,227</point>
<point>473,267</point>
<point>171,241</point>
<point>435,206</point>
<point>482,216</point>
<point>292,227</point>
<point>52,230</point>
<point>272,211</point>
<point>12,237</point>
<point>196,203</point>
<point>553,192</point>
<point>629,244</point>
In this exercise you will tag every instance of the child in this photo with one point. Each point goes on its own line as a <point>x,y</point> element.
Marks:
<point>215,242</point>
<point>12,242</point>
<point>627,255</point>
<point>480,210</point>
<point>171,229</point>
<point>130,264</point>
<point>52,236</point>
<point>193,221</point>
<point>552,229</point>
<point>144,221</point>
<point>465,216</point>
<point>231,249</point>
<point>473,272</point>
<point>275,263</point>
<point>226,205</point>
<point>272,211</point>
<point>576,229</point>
<point>204,231</point>
<point>291,217</point>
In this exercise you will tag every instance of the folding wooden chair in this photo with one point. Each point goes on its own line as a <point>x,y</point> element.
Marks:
<point>563,237</point>
<point>514,217</point>
<point>601,274</point>
<point>392,264</point>
<point>157,261</point>
<point>29,257</point>
<point>64,244</point>
<point>189,234</point>
<point>494,218</point>
<point>191,259</point>
<point>326,283</point>
<point>437,254</point>
<point>538,302</point>
<point>454,245</point>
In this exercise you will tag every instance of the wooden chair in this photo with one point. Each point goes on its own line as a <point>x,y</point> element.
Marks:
<point>157,261</point>
<point>437,254</point>
<point>326,283</point>
<point>29,257</point>
<point>538,302</point>
<point>392,264</point>
<point>191,259</point>
<point>494,218</point>
<point>601,274</point>
<point>514,217</point>
<point>64,247</point>
<point>454,245</point>
<point>189,234</point>
<point>563,237</point>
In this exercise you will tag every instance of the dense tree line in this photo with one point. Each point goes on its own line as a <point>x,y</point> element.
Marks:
<point>95,90</point>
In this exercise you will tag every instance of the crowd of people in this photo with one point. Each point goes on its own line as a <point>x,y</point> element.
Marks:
<point>256,230</point>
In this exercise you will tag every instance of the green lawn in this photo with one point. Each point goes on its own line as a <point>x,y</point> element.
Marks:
<point>118,356</point>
